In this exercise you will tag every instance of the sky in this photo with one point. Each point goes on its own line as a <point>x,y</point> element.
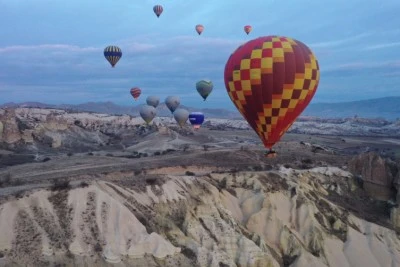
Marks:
<point>52,50</point>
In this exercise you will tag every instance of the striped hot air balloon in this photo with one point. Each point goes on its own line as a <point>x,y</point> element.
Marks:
<point>271,80</point>
<point>247,29</point>
<point>199,28</point>
<point>112,53</point>
<point>158,9</point>
<point>135,92</point>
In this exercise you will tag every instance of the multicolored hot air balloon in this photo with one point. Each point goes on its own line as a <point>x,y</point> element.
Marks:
<point>181,116</point>
<point>153,101</point>
<point>112,53</point>
<point>196,119</point>
<point>135,92</point>
<point>247,29</point>
<point>147,113</point>
<point>199,28</point>
<point>271,80</point>
<point>204,87</point>
<point>172,103</point>
<point>158,9</point>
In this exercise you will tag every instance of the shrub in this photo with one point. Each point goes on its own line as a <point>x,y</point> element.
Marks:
<point>46,159</point>
<point>60,184</point>
<point>84,184</point>
<point>189,173</point>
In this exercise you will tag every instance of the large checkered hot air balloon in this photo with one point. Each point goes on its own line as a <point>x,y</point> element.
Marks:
<point>271,80</point>
<point>135,92</point>
<point>112,53</point>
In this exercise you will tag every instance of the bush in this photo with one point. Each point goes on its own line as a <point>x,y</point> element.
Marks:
<point>189,173</point>
<point>109,155</point>
<point>5,180</point>
<point>137,172</point>
<point>157,153</point>
<point>307,161</point>
<point>60,184</point>
<point>83,184</point>
<point>90,154</point>
<point>151,180</point>
<point>69,154</point>
<point>46,159</point>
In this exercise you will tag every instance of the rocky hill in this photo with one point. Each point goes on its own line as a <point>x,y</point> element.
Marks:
<point>274,218</point>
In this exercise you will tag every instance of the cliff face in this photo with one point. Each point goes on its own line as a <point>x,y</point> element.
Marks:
<point>274,218</point>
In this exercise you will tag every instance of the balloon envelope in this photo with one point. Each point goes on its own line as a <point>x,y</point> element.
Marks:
<point>271,80</point>
<point>196,119</point>
<point>204,87</point>
<point>181,116</point>
<point>172,103</point>
<point>147,113</point>
<point>247,29</point>
<point>199,28</point>
<point>112,53</point>
<point>158,9</point>
<point>153,101</point>
<point>135,92</point>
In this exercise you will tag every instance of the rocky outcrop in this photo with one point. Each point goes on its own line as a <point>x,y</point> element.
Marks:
<point>378,174</point>
<point>275,218</point>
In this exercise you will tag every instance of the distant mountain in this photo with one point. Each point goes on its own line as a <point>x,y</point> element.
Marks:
<point>387,108</point>
<point>112,108</point>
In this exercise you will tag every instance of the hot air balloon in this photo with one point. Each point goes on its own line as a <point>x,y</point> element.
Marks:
<point>172,103</point>
<point>199,28</point>
<point>204,87</point>
<point>247,29</point>
<point>158,9</point>
<point>271,80</point>
<point>135,92</point>
<point>112,53</point>
<point>152,101</point>
<point>147,113</point>
<point>181,116</point>
<point>196,119</point>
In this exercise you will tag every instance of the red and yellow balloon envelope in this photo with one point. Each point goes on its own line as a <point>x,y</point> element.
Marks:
<point>135,92</point>
<point>247,29</point>
<point>271,80</point>
<point>199,28</point>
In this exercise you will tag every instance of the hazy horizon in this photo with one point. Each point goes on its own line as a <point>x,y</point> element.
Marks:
<point>54,52</point>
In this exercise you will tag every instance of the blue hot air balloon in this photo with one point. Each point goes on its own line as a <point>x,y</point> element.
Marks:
<point>196,119</point>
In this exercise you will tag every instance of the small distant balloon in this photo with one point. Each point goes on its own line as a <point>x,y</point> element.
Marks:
<point>147,113</point>
<point>199,28</point>
<point>172,103</point>
<point>158,9</point>
<point>247,29</point>
<point>135,92</point>
<point>204,88</point>
<point>153,101</point>
<point>112,53</point>
<point>196,119</point>
<point>181,116</point>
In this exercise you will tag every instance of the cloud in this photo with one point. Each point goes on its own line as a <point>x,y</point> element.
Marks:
<point>382,46</point>
<point>340,42</point>
<point>47,47</point>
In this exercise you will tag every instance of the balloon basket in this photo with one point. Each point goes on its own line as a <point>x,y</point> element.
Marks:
<point>270,154</point>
